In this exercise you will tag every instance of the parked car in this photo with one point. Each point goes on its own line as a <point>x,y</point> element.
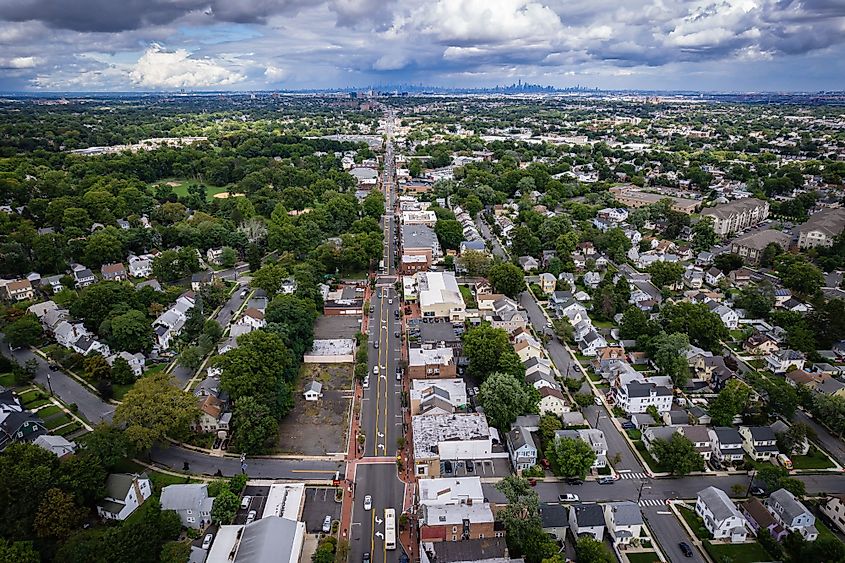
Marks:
<point>368,502</point>
<point>397,334</point>
<point>206,542</point>
<point>568,497</point>
<point>366,557</point>
<point>574,481</point>
<point>327,524</point>
<point>250,518</point>
<point>628,425</point>
<point>366,382</point>
<point>597,401</point>
<point>685,549</point>
<point>245,502</point>
<point>606,480</point>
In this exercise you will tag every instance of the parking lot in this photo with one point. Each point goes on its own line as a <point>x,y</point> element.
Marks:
<point>258,500</point>
<point>486,468</point>
<point>319,503</point>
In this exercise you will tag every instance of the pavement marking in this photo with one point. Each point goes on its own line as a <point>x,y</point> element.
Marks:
<point>631,475</point>
<point>330,471</point>
<point>653,502</point>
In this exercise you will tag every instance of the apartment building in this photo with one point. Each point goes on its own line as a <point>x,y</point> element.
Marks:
<point>821,228</point>
<point>734,216</point>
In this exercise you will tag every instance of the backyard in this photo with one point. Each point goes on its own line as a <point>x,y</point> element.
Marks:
<point>695,523</point>
<point>815,459</point>
<point>642,557</point>
<point>751,552</point>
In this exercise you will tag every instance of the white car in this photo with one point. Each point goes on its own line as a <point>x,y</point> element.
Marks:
<point>245,502</point>
<point>368,502</point>
<point>375,370</point>
<point>568,497</point>
<point>327,524</point>
<point>597,400</point>
<point>366,382</point>
<point>206,542</point>
<point>250,518</point>
<point>390,301</point>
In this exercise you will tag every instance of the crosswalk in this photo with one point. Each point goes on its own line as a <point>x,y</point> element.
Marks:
<point>632,475</point>
<point>654,502</point>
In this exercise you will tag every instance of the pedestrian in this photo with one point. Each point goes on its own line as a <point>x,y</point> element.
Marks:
<point>185,466</point>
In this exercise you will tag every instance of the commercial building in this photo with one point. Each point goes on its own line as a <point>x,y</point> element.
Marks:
<point>734,216</point>
<point>449,438</point>
<point>420,240</point>
<point>439,295</point>
<point>431,363</point>
<point>439,396</point>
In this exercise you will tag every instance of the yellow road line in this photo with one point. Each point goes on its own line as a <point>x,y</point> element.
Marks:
<point>372,531</point>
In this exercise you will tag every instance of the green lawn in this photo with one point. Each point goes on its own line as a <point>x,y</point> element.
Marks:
<point>469,298</point>
<point>695,523</point>
<point>45,412</point>
<point>181,189</point>
<point>594,377</point>
<point>643,557</point>
<point>71,428</point>
<point>652,463</point>
<point>634,434</point>
<point>7,380</point>
<point>54,423</point>
<point>30,395</point>
<point>737,553</point>
<point>815,459</point>
<point>603,324</point>
<point>120,391</point>
<point>824,531</point>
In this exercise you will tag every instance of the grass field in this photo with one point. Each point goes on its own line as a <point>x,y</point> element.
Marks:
<point>694,522</point>
<point>180,187</point>
<point>48,411</point>
<point>652,463</point>
<point>643,557</point>
<point>814,459</point>
<point>71,428</point>
<point>55,422</point>
<point>737,553</point>
<point>160,480</point>
<point>7,380</point>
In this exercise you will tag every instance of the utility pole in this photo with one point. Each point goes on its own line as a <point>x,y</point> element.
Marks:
<point>640,493</point>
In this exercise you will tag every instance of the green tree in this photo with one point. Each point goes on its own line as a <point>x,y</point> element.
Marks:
<point>58,516</point>
<point>703,327</point>
<point>450,233</point>
<point>415,168</point>
<point>103,247</point>
<point>228,257</point>
<point>175,552</point>
<point>571,457</point>
<point>589,550</point>
<point>799,275</point>
<point>292,317</point>
<point>728,262</point>
<point>225,506</point>
<point>524,242</point>
<point>270,277</point>
<point>23,332</point>
<point>155,408</point>
<point>636,324</point>
<point>731,401</point>
<point>132,331</point>
<point>213,330</point>
<point>666,274</point>
<point>758,300</point>
<point>615,243</point>
<point>506,278</point>
<point>521,518</point>
<point>504,397</point>
<point>373,205</point>
<point>678,454</point>
<point>18,552</point>
<point>255,427</point>
<point>485,347</point>
<point>121,373</point>
<point>475,262</point>
<point>668,353</point>
<point>703,235</point>
<point>108,444</point>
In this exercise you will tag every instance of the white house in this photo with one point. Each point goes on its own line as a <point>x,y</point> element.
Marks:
<point>190,501</point>
<point>624,521</point>
<point>833,506</point>
<point>141,266</point>
<point>792,514</point>
<point>522,450</point>
<point>785,360</point>
<point>636,396</point>
<point>552,401</point>
<point>759,442</point>
<point>720,515</point>
<point>136,361</point>
<point>591,342</point>
<point>313,391</point>
<point>592,437</point>
<point>124,493</point>
<point>587,519</point>
<point>727,444</point>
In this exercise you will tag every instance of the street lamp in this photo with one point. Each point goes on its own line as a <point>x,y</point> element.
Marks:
<point>751,482</point>
<point>49,384</point>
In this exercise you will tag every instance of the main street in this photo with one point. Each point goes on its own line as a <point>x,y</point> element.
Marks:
<point>381,407</point>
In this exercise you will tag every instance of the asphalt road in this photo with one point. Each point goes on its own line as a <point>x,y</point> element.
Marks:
<point>485,232</point>
<point>379,481</point>
<point>174,457</point>
<point>832,444</point>
<point>669,533</point>
<point>66,388</point>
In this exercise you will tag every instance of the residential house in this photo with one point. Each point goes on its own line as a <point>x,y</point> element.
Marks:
<point>833,506</point>
<point>720,516</point>
<point>637,395</point>
<point>313,391</point>
<point>190,501</point>
<point>83,277</point>
<point>169,324</point>
<point>728,316</point>
<point>213,255</point>
<point>548,283</point>
<point>16,423</point>
<point>759,518</point>
<point>56,445</point>
<point>792,514</point>
<point>759,442</point>
<point>784,361</point>
<point>700,438</point>
<point>54,283</point>
<point>741,277</point>
<point>799,448</point>
<point>694,277</point>
<point>528,263</point>
<point>113,272</point>
<point>624,521</point>
<point>591,342</point>
<point>592,279</point>
<point>507,315</point>
<point>760,345</point>
<point>124,493</point>
<point>714,276</point>
<point>136,361</point>
<point>141,266</point>
<point>522,450</point>
<point>653,434</point>
<point>213,415</point>
<point>552,401</point>
<point>201,279</point>
<point>727,444</point>
<point>19,290</point>
<point>554,518</point>
<point>587,520</point>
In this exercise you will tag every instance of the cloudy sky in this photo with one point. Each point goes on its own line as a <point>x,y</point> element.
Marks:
<point>84,45</point>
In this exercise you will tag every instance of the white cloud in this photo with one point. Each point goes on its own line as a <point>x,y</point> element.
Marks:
<point>158,68</point>
<point>274,73</point>
<point>20,62</point>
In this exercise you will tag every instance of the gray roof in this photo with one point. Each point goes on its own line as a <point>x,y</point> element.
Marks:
<point>180,497</point>
<point>638,389</point>
<point>266,539</point>
<point>314,386</point>
<point>790,507</point>
<point>588,515</point>
<point>762,433</point>
<point>727,435</point>
<point>718,503</point>
<point>418,236</point>
<point>520,437</point>
<point>661,432</point>
<point>553,515</point>
<point>118,484</point>
<point>626,513</point>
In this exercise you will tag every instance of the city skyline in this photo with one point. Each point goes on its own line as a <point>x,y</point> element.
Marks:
<point>733,45</point>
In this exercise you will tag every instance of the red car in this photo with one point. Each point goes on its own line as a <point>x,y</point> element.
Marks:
<point>532,482</point>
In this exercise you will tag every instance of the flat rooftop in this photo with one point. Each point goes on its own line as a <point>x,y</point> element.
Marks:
<point>430,430</point>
